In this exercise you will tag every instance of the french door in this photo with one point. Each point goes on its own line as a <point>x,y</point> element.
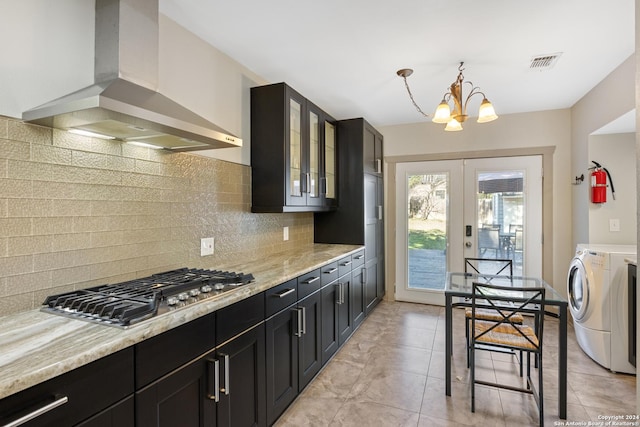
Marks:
<point>449,210</point>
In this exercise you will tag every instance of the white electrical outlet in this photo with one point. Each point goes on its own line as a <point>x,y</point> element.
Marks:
<point>206,246</point>
<point>614,225</point>
<point>285,233</point>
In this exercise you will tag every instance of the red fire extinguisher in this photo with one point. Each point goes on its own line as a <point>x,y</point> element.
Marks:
<point>599,176</point>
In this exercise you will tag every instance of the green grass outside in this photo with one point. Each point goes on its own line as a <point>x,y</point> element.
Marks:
<point>427,239</point>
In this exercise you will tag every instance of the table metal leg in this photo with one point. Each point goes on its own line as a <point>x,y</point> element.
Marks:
<point>562,364</point>
<point>448,343</point>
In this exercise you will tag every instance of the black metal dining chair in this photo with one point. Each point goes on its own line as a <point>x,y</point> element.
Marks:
<point>506,334</point>
<point>489,267</point>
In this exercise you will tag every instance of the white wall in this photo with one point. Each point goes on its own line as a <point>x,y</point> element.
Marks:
<point>616,152</point>
<point>51,46</point>
<point>529,133</point>
<point>610,99</point>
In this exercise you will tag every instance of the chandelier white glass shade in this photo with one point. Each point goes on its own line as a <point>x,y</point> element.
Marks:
<point>444,114</point>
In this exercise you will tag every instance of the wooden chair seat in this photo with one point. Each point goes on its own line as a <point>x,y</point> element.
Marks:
<point>514,336</point>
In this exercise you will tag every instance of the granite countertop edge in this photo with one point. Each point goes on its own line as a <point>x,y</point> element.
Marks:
<point>38,346</point>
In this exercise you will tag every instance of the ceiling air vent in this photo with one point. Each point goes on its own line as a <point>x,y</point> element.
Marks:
<point>544,62</point>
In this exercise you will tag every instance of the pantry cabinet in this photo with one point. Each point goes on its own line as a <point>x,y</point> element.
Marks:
<point>292,141</point>
<point>358,219</point>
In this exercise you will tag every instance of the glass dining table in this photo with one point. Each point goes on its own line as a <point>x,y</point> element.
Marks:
<point>459,286</point>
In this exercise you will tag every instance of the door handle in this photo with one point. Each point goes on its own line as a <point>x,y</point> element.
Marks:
<point>467,244</point>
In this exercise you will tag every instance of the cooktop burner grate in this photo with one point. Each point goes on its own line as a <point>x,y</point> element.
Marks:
<point>126,303</point>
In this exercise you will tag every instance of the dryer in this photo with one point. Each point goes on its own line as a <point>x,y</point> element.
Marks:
<point>598,302</point>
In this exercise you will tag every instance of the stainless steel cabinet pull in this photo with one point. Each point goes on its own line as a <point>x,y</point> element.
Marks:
<point>308,182</point>
<point>283,293</point>
<point>40,411</point>
<point>213,392</point>
<point>380,212</point>
<point>304,320</point>
<point>333,270</point>
<point>298,333</point>
<point>225,389</point>
<point>360,256</point>
<point>313,279</point>
<point>364,275</point>
<point>346,263</point>
<point>338,291</point>
<point>378,166</point>
<point>342,286</point>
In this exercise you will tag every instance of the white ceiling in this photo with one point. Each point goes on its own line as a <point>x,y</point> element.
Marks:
<point>344,54</point>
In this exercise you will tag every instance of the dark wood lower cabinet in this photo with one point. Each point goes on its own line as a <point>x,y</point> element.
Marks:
<point>357,296</point>
<point>282,332</point>
<point>179,399</point>
<point>330,339</point>
<point>309,344</point>
<point>345,309</point>
<point>242,361</point>
<point>293,352</point>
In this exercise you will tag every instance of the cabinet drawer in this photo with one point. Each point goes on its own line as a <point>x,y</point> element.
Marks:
<point>87,390</point>
<point>308,283</point>
<point>329,273</point>
<point>238,317</point>
<point>281,296</point>
<point>345,265</point>
<point>357,258</point>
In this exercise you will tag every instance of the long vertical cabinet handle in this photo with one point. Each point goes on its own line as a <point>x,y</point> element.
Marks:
<point>342,286</point>
<point>225,389</point>
<point>298,332</point>
<point>338,293</point>
<point>304,320</point>
<point>380,212</point>
<point>308,183</point>
<point>213,368</point>
<point>364,275</point>
<point>378,166</point>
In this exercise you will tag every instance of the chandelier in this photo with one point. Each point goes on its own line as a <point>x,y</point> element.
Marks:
<point>455,118</point>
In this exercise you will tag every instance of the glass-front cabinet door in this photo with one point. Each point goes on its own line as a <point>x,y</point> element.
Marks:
<point>295,172</point>
<point>312,186</point>
<point>329,163</point>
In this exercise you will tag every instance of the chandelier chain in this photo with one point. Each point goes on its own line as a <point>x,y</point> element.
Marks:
<point>413,100</point>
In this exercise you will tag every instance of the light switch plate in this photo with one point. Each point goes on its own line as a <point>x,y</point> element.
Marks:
<point>614,225</point>
<point>206,246</point>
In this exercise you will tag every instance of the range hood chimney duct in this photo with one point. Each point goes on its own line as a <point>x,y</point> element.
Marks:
<point>123,102</point>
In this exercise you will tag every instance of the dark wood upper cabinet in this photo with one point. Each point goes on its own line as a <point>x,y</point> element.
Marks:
<point>292,141</point>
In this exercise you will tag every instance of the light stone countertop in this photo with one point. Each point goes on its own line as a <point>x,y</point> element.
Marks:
<point>37,346</point>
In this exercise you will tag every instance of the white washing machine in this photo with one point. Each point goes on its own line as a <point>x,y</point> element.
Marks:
<point>598,298</point>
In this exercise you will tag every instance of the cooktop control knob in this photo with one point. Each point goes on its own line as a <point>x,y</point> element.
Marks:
<point>172,301</point>
<point>218,286</point>
<point>183,296</point>
<point>206,288</point>
<point>194,292</point>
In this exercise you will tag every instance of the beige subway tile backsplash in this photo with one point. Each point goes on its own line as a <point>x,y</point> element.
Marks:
<point>78,212</point>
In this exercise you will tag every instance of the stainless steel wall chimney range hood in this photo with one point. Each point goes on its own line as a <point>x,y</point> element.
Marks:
<point>123,102</point>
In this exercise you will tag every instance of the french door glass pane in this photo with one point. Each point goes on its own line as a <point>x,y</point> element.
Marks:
<point>500,215</point>
<point>427,230</point>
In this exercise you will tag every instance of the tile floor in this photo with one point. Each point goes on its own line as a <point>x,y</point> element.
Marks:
<point>391,373</point>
